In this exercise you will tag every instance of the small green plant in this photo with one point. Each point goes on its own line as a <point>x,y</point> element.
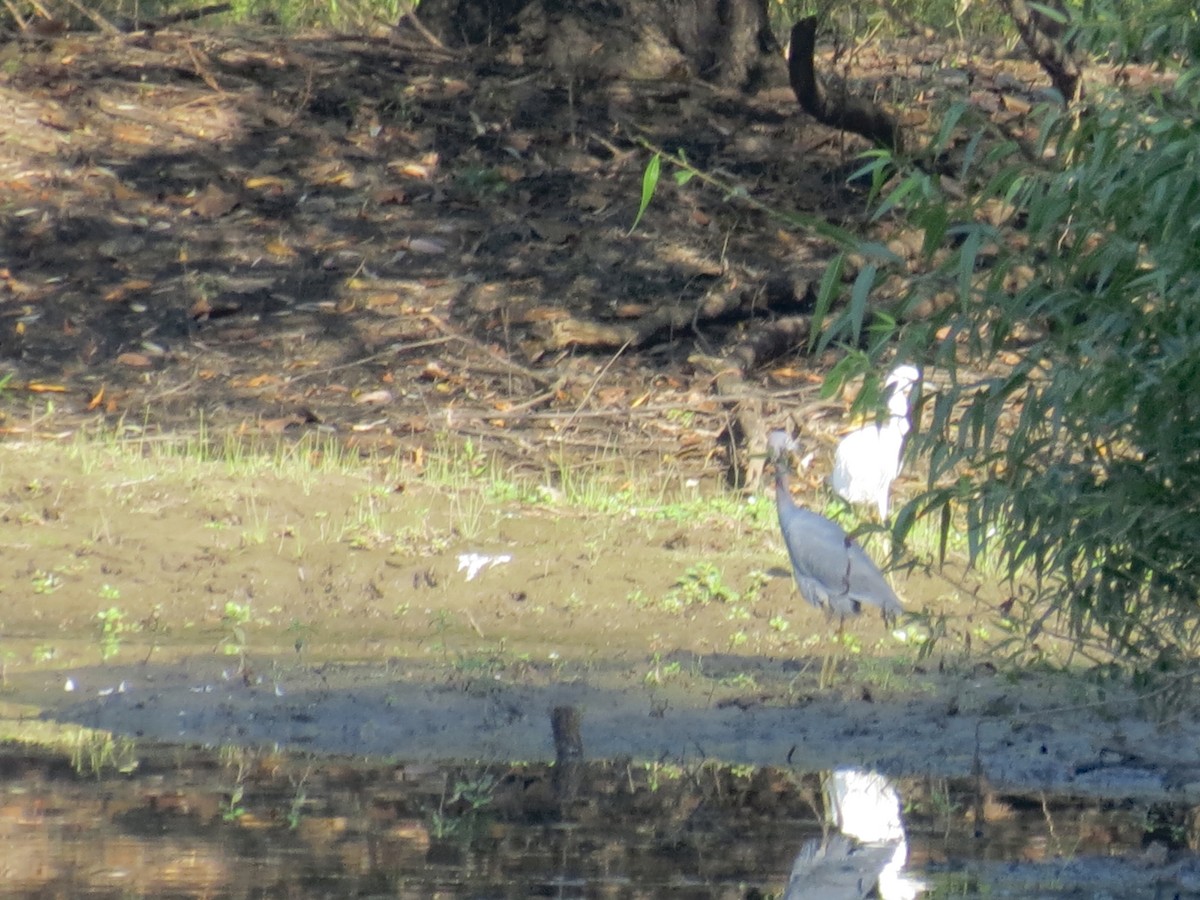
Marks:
<point>463,808</point>
<point>113,626</point>
<point>235,618</point>
<point>443,826</point>
<point>46,582</point>
<point>299,798</point>
<point>231,807</point>
<point>639,598</point>
<point>742,681</point>
<point>659,773</point>
<point>44,653</point>
<point>95,752</point>
<point>659,671</point>
<point>700,585</point>
<point>475,792</point>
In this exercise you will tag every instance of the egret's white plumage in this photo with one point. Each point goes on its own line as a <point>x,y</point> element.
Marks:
<point>868,459</point>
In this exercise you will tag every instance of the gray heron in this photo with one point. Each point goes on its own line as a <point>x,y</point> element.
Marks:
<point>832,571</point>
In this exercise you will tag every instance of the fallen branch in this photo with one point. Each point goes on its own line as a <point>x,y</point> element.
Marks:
<point>187,15</point>
<point>728,299</point>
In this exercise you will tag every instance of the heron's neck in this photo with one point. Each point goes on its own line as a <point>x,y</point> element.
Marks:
<point>783,497</point>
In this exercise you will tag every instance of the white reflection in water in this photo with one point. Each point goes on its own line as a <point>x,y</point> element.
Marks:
<point>868,850</point>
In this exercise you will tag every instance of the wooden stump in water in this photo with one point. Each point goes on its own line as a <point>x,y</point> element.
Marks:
<point>568,752</point>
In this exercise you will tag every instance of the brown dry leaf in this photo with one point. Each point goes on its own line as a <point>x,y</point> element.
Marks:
<point>997,212</point>
<point>632,310</point>
<point>540,314</point>
<point>552,230</point>
<point>39,387</point>
<point>272,183</point>
<point>519,141</point>
<point>257,381</point>
<point>435,372</point>
<point>278,426</point>
<point>18,288</point>
<point>1015,104</point>
<point>214,201</point>
<point>788,372</point>
<point>123,290</point>
<point>383,299</point>
<point>123,192</point>
<point>593,201</point>
<point>97,399</point>
<point>410,169</point>
<point>134,134</point>
<point>375,398</point>
<point>693,259</point>
<point>135,360</point>
<point>611,396</point>
<point>280,249</point>
<point>201,309</point>
<point>988,101</point>
<point>386,194</point>
<point>334,173</point>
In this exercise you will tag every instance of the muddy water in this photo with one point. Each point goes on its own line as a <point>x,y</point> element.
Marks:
<point>188,823</point>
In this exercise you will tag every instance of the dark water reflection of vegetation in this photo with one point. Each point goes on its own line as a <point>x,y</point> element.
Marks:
<point>240,823</point>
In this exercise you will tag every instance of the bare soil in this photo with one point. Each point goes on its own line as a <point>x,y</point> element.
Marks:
<point>421,258</point>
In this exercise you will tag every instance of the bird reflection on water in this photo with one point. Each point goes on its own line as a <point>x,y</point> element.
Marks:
<point>868,850</point>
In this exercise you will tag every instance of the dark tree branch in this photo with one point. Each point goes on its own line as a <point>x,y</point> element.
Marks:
<point>851,114</point>
<point>1051,55</point>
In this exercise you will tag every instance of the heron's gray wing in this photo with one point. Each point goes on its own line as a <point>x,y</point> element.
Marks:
<point>830,568</point>
<point>867,584</point>
<point>836,869</point>
<point>818,550</point>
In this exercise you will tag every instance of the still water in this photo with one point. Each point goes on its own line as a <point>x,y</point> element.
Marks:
<point>250,823</point>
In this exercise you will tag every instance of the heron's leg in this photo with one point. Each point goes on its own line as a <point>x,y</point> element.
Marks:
<point>833,656</point>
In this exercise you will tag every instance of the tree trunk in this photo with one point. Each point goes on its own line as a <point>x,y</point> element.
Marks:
<point>1040,34</point>
<point>726,42</point>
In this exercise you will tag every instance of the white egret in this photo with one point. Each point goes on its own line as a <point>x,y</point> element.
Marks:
<point>868,459</point>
